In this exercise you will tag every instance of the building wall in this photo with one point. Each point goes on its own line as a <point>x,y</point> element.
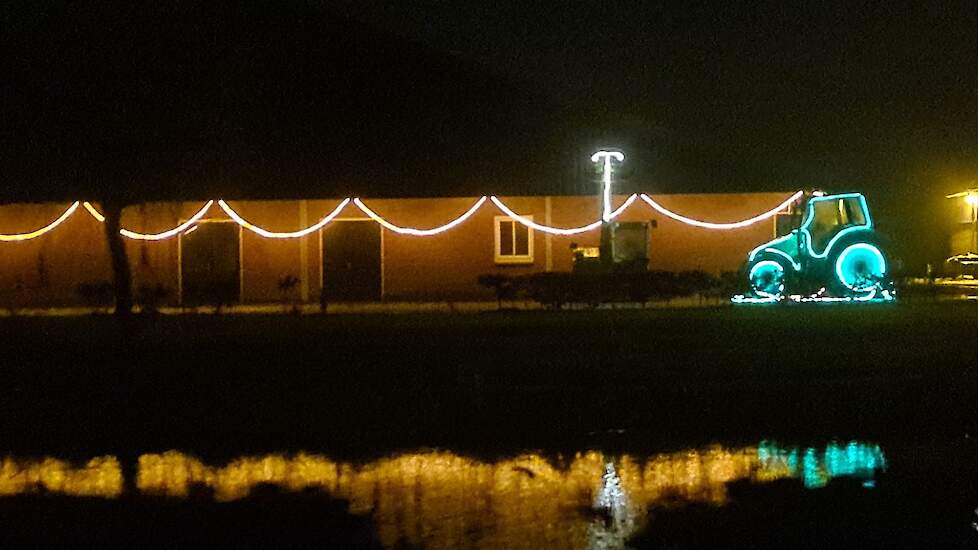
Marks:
<point>48,270</point>
<point>962,239</point>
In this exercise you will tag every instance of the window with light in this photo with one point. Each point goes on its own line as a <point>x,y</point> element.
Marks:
<point>514,241</point>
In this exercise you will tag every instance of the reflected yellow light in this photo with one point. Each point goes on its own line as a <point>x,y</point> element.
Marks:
<point>438,499</point>
<point>99,477</point>
<point>443,500</point>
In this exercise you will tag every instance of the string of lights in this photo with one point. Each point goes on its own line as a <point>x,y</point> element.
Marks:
<point>154,236</point>
<point>189,223</point>
<point>873,295</point>
<point>280,235</point>
<point>38,232</point>
<point>418,232</point>
<point>732,225</point>
<point>557,230</point>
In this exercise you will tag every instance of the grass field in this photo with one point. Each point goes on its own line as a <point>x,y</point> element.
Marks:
<point>493,382</point>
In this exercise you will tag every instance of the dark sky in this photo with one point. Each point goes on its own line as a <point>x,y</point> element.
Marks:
<point>748,94</point>
<point>878,97</point>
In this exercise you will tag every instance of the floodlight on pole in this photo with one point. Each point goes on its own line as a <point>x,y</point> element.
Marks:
<point>607,157</point>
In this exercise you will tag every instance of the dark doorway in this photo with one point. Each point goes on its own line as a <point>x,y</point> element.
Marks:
<point>210,264</point>
<point>351,261</point>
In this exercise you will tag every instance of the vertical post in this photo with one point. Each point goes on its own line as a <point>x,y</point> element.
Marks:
<point>607,156</point>
<point>606,252</point>
<point>547,237</point>
<point>971,199</point>
<point>303,253</point>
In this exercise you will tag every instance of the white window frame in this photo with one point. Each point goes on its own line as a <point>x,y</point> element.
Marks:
<point>512,258</point>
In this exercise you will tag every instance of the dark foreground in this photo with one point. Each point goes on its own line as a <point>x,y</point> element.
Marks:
<point>357,388</point>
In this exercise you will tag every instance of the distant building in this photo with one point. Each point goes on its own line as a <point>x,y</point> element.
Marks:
<point>353,257</point>
<point>963,241</point>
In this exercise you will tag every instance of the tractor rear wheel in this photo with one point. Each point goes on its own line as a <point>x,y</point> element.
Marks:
<point>858,269</point>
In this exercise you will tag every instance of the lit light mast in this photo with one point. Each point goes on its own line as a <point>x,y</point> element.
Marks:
<point>607,157</point>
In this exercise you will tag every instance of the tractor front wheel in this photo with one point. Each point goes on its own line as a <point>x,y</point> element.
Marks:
<point>766,278</point>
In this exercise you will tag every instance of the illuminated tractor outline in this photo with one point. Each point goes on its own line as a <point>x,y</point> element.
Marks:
<point>843,258</point>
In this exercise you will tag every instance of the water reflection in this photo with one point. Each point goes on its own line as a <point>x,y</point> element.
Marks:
<point>99,477</point>
<point>443,500</point>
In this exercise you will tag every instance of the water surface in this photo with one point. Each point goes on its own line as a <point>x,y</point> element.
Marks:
<point>444,500</point>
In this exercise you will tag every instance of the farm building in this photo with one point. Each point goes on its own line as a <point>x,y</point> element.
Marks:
<point>369,250</point>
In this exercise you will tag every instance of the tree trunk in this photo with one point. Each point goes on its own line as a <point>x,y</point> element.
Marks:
<point>121,275</point>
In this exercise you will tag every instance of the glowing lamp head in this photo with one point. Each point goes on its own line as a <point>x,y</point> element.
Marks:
<point>617,155</point>
<point>971,198</point>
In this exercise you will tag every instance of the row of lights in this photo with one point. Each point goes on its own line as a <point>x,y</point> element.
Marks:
<point>192,221</point>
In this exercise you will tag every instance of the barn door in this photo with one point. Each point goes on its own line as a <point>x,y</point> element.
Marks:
<point>210,270</point>
<point>352,261</point>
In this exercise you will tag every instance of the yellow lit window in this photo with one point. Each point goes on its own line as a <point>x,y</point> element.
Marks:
<point>514,241</point>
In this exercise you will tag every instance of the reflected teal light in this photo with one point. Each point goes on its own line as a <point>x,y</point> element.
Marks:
<point>812,475</point>
<point>816,469</point>
<point>793,463</point>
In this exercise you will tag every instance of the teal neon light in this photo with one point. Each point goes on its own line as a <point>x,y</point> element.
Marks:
<point>768,247</point>
<point>816,468</point>
<point>779,240</point>
<point>868,253</point>
<point>811,217</point>
<point>860,264</point>
<point>769,281</point>
<point>766,263</point>
<point>794,264</point>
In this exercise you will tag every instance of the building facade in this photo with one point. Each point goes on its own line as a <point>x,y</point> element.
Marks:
<point>353,257</point>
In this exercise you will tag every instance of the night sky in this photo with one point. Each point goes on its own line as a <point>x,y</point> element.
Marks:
<point>881,98</point>
<point>733,97</point>
<point>282,99</point>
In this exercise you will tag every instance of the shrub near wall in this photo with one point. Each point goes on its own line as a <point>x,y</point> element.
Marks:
<point>554,290</point>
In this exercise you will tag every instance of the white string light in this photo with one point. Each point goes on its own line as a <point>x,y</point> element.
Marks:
<point>418,232</point>
<point>628,202</point>
<point>711,225</point>
<point>95,213</point>
<point>282,235</point>
<point>38,232</point>
<point>766,298</point>
<point>557,230</point>
<point>154,236</point>
<point>612,214</point>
